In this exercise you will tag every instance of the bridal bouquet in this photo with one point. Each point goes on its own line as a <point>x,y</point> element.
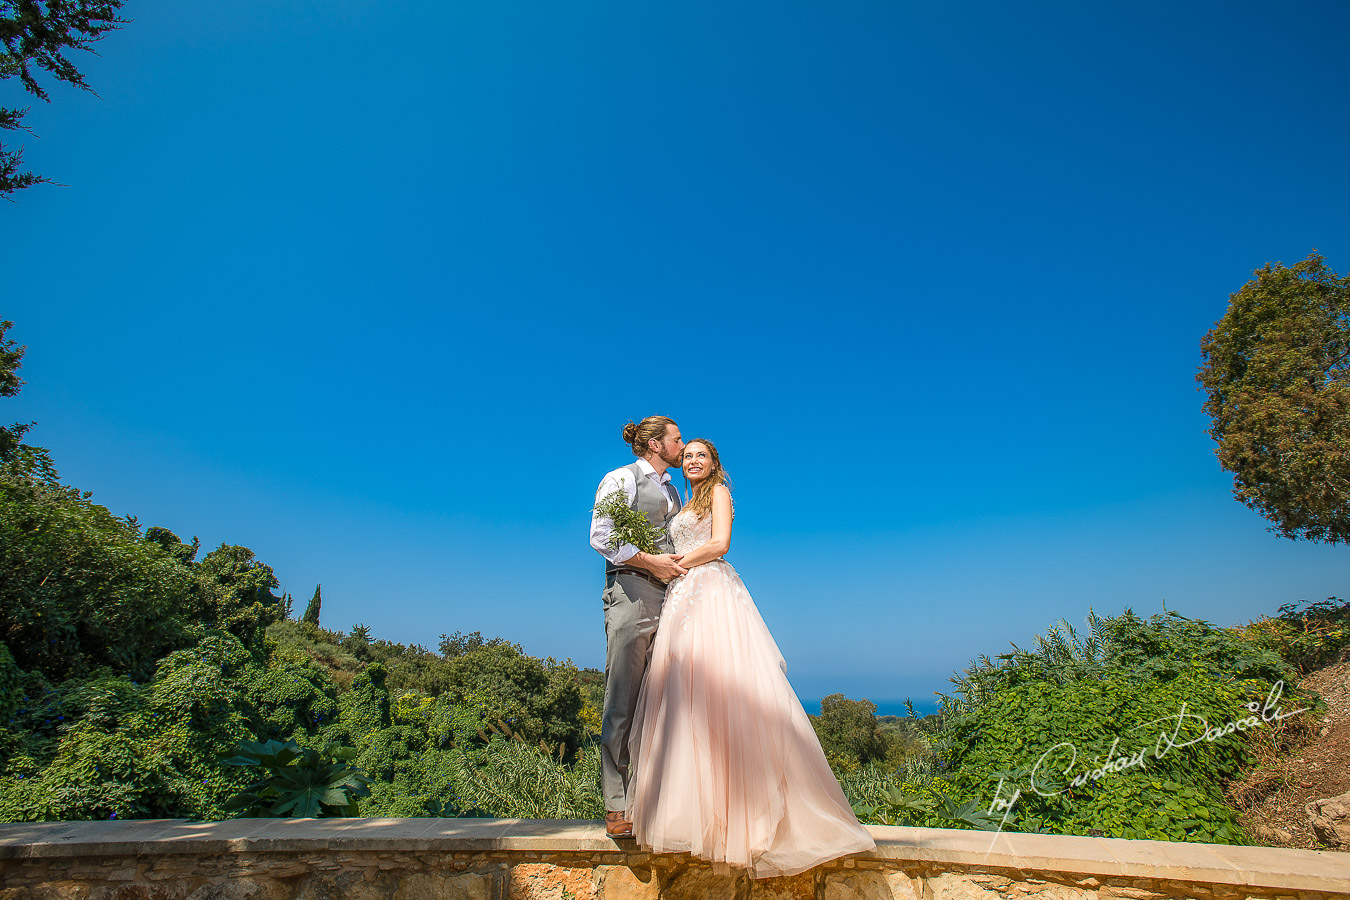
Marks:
<point>630,526</point>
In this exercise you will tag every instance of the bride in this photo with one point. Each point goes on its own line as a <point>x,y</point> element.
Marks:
<point>728,768</point>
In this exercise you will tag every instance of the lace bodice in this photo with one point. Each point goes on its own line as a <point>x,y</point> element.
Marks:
<point>688,532</point>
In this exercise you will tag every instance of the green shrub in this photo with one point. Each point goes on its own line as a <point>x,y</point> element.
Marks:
<point>95,775</point>
<point>422,785</point>
<point>295,782</point>
<point>912,795</point>
<point>540,700</point>
<point>518,780</point>
<point>200,687</point>
<point>1168,644</point>
<point>1157,648</point>
<point>1043,746</point>
<point>293,696</point>
<point>1107,730</point>
<point>11,680</point>
<point>1308,635</point>
<point>364,708</point>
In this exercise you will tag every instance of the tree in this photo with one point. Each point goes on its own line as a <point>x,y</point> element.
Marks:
<point>848,731</point>
<point>184,553</point>
<point>315,604</point>
<point>34,34</point>
<point>358,642</point>
<point>1277,375</point>
<point>11,360</point>
<point>457,644</point>
<point>235,591</point>
<point>82,588</point>
<point>15,455</point>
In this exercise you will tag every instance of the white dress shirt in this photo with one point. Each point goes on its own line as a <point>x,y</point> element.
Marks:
<point>602,525</point>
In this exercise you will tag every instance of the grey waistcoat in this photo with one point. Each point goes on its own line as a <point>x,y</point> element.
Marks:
<point>651,502</point>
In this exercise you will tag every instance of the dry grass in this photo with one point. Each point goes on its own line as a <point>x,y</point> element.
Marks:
<point>1302,759</point>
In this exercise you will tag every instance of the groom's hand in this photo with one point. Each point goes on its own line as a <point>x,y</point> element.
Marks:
<point>665,566</point>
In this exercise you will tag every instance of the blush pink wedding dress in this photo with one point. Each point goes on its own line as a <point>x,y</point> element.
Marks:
<point>727,766</point>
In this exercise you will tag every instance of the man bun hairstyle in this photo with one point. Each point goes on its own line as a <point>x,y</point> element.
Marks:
<point>636,435</point>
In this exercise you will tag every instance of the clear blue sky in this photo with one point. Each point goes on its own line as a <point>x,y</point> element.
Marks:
<point>371,288</point>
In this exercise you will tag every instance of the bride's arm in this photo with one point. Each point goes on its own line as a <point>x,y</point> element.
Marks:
<point>720,542</point>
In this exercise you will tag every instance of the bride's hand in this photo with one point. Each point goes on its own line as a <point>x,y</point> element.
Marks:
<point>665,566</point>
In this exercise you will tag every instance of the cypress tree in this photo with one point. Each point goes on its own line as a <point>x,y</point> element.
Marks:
<point>312,611</point>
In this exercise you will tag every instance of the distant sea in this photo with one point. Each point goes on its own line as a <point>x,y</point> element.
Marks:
<point>922,706</point>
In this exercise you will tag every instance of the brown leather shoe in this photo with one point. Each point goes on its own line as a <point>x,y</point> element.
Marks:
<point>616,826</point>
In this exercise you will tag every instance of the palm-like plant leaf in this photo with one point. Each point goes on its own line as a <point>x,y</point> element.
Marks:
<point>300,783</point>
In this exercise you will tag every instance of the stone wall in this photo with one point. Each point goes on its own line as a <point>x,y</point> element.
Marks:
<point>507,859</point>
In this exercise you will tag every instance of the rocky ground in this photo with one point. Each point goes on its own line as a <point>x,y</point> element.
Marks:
<point>1307,761</point>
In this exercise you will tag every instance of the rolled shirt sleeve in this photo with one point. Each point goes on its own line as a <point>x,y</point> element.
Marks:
<point>601,526</point>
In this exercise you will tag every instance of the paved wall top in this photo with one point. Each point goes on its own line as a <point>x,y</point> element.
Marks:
<point>1215,864</point>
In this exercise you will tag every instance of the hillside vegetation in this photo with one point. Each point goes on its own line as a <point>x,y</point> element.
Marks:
<point>140,678</point>
<point>130,671</point>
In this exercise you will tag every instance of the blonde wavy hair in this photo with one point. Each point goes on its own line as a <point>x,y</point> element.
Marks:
<point>700,501</point>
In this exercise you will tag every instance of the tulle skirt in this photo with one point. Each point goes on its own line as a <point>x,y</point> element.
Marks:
<point>727,765</point>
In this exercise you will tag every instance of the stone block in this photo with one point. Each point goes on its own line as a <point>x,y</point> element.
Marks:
<point>626,883</point>
<point>701,883</point>
<point>242,889</point>
<point>1118,892</point>
<point>950,886</point>
<point>792,887</point>
<point>52,890</point>
<point>1331,820</point>
<point>859,885</point>
<point>286,868</point>
<point>341,886</point>
<point>906,887</point>
<point>436,886</point>
<point>1046,891</point>
<point>990,882</point>
<point>545,881</point>
<point>1271,837</point>
<point>139,891</point>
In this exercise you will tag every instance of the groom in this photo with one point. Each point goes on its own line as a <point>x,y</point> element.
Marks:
<point>635,587</point>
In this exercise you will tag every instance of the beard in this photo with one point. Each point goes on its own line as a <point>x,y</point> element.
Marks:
<point>673,460</point>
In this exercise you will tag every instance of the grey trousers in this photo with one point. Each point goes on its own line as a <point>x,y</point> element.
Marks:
<point>632,612</point>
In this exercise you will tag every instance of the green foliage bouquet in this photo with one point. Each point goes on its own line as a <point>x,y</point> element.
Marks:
<point>630,526</point>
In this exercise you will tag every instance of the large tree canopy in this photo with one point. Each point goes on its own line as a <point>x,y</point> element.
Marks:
<point>1277,372</point>
<point>35,34</point>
